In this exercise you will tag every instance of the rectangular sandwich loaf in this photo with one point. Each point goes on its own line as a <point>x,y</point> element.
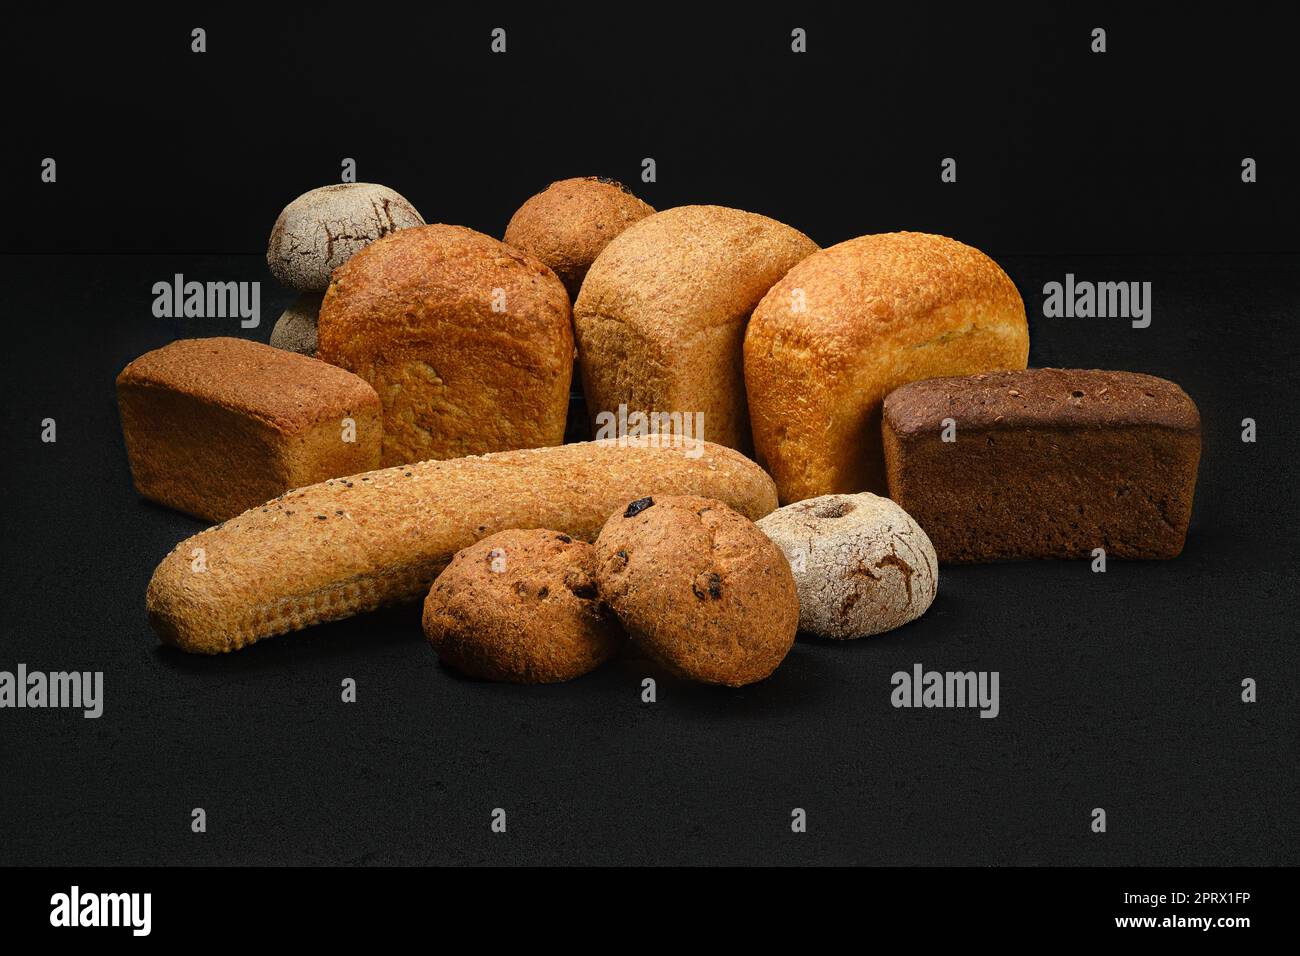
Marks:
<point>1044,463</point>
<point>216,426</point>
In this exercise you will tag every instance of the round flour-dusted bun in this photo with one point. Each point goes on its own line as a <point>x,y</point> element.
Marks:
<point>321,229</point>
<point>699,588</point>
<point>467,341</point>
<point>851,323</point>
<point>521,606</point>
<point>861,564</point>
<point>295,330</point>
<point>568,224</point>
<point>661,317</point>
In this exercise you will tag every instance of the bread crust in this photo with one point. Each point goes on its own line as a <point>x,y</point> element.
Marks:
<point>699,588</point>
<point>215,426</point>
<point>324,227</point>
<point>661,317</point>
<point>851,323</point>
<point>416,315</point>
<point>348,545</point>
<point>521,606</point>
<point>569,223</point>
<point>1046,463</point>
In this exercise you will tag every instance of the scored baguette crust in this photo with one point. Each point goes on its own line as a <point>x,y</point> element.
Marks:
<point>347,545</point>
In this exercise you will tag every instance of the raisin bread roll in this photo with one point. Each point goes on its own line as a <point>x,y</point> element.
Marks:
<point>661,316</point>
<point>850,324</point>
<point>468,342</point>
<point>348,545</point>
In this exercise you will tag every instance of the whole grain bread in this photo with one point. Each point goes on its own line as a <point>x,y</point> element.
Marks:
<point>661,317</point>
<point>570,222</point>
<point>468,342</point>
<point>348,545</point>
<point>1045,463</point>
<point>851,323</point>
<point>215,426</point>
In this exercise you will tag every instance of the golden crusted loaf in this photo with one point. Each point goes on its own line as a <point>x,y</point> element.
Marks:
<point>353,544</point>
<point>570,222</point>
<point>215,426</point>
<point>853,322</point>
<point>661,317</point>
<point>468,342</point>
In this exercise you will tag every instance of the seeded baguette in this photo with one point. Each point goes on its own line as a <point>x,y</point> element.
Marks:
<point>348,545</point>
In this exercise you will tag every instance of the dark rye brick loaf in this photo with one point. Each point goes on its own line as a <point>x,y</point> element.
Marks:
<point>1047,463</point>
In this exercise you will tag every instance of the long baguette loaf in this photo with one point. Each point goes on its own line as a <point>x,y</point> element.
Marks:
<point>347,545</point>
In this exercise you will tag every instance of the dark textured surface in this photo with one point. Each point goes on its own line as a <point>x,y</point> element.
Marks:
<point>1119,691</point>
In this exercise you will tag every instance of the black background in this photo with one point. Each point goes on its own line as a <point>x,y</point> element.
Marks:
<point>1118,691</point>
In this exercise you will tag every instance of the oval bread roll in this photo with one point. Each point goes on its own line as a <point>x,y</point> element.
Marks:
<point>468,342</point>
<point>322,228</point>
<point>334,549</point>
<point>660,320</point>
<point>569,223</point>
<point>850,324</point>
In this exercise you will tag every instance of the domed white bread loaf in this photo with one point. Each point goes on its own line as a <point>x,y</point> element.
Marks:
<point>335,549</point>
<point>323,228</point>
<point>861,565</point>
<point>660,320</point>
<point>851,323</point>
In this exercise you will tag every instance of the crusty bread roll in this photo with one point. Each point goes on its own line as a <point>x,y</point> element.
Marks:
<point>215,426</point>
<point>323,228</point>
<point>569,223</point>
<point>468,342</point>
<point>661,317</point>
<point>353,544</point>
<point>853,322</point>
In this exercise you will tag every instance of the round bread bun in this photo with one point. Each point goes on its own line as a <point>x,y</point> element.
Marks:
<point>321,229</point>
<point>568,223</point>
<point>861,564</point>
<point>660,320</point>
<point>698,588</point>
<point>522,607</point>
<point>295,330</point>
<point>847,326</point>
<point>468,342</point>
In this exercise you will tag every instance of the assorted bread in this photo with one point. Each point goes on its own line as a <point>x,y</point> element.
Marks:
<point>661,317</point>
<point>420,455</point>
<point>1045,463</point>
<point>334,549</point>
<point>468,342</point>
<point>851,323</point>
<point>216,426</point>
